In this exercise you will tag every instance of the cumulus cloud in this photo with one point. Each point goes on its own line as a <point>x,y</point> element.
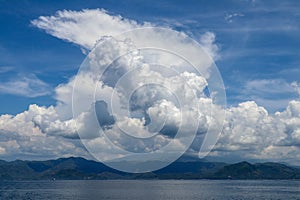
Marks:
<point>144,89</point>
<point>48,122</point>
<point>26,85</point>
<point>250,132</point>
<point>22,139</point>
<point>84,28</point>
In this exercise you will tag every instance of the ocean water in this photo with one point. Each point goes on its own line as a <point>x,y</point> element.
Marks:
<point>151,189</point>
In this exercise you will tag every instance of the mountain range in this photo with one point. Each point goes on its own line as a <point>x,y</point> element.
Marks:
<point>79,168</point>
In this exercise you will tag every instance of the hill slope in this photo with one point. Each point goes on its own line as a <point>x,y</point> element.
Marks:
<point>79,168</point>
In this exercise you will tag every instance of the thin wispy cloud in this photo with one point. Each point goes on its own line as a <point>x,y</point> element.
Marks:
<point>230,17</point>
<point>4,69</point>
<point>68,25</point>
<point>25,85</point>
<point>272,94</point>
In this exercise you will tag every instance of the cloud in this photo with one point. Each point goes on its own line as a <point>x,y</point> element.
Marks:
<point>57,121</point>
<point>147,88</point>
<point>20,138</point>
<point>230,17</point>
<point>250,132</point>
<point>273,94</point>
<point>25,85</point>
<point>85,27</point>
<point>296,87</point>
<point>208,42</point>
<point>49,123</point>
<point>268,87</point>
<point>4,69</point>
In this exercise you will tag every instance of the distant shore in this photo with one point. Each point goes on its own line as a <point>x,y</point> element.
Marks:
<point>82,169</point>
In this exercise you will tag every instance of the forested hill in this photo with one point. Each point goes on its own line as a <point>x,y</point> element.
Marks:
<point>79,168</point>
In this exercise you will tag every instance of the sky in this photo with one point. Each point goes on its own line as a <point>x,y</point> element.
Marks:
<point>254,45</point>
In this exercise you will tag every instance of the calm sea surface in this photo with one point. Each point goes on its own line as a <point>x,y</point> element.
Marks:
<point>150,189</point>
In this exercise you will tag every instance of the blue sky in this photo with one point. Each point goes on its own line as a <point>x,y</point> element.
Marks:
<point>257,53</point>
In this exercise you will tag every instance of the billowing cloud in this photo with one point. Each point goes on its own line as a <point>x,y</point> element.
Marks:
<point>250,132</point>
<point>162,99</point>
<point>84,28</point>
<point>20,138</point>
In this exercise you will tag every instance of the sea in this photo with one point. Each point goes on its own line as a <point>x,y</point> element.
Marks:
<point>151,189</point>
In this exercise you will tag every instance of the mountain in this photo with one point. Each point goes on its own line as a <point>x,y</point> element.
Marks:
<point>80,168</point>
<point>245,170</point>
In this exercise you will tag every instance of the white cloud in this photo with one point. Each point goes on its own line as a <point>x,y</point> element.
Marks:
<point>230,17</point>
<point>49,123</point>
<point>208,42</point>
<point>250,132</point>
<point>2,150</point>
<point>268,86</point>
<point>4,69</point>
<point>125,76</point>
<point>25,85</point>
<point>296,87</point>
<point>20,138</point>
<point>85,27</point>
<point>273,94</point>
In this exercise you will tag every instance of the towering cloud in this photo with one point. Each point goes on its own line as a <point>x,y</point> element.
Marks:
<point>249,132</point>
